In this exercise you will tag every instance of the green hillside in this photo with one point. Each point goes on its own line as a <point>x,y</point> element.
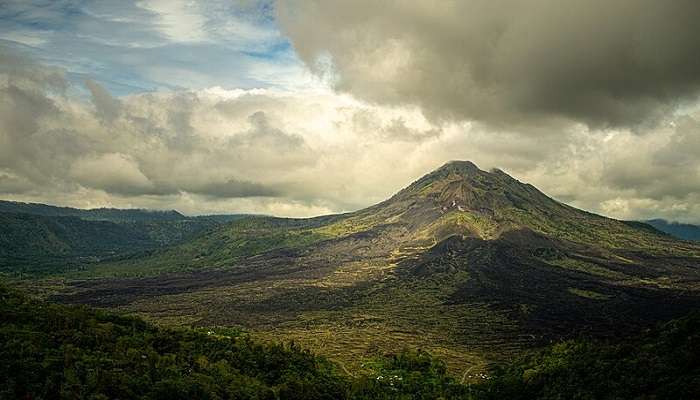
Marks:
<point>39,239</point>
<point>223,246</point>
<point>471,265</point>
<point>50,351</point>
<point>457,199</point>
<point>33,243</point>
<point>96,214</point>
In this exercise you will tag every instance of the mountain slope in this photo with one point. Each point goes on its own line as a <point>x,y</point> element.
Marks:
<point>43,239</point>
<point>473,265</point>
<point>681,231</point>
<point>458,199</point>
<point>95,214</point>
<point>34,243</point>
<point>163,227</point>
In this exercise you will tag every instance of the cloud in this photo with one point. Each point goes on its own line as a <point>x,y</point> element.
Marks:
<point>396,129</point>
<point>303,153</point>
<point>303,149</point>
<point>177,20</point>
<point>235,188</point>
<point>173,146</point>
<point>25,73</point>
<point>11,183</point>
<point>507,63</point>
<point>662,165</point>
<point>136,46</point>
<point>107,107</point>
<point>112,172</point>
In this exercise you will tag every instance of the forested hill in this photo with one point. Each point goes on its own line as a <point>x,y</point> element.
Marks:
<point>97,214</point>
<point>36,244</point>
<point>50,351</point>
<point>681,231</point>
<point>41,239</point>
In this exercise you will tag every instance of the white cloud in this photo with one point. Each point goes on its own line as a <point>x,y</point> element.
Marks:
<point>132,47</point>
<point>177,20</point>
<point>26,37</point>
<point>112,172</point>
<point>307,152</point>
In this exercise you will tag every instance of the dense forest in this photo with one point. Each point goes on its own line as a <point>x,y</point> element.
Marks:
<point>663,363</point>
<point>51,351</point>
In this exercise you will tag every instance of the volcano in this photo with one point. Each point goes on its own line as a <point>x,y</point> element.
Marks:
<point>472,265</point>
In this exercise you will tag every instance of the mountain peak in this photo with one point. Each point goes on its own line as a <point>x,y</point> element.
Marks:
<point>456,171</point>
<point>461,198</point>
<point>459,166</point>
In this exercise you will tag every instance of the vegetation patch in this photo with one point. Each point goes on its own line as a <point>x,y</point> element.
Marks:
<point>588,294</point>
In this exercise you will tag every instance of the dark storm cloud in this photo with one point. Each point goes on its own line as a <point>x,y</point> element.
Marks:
<point>233,188</point>
<point>604,63</point>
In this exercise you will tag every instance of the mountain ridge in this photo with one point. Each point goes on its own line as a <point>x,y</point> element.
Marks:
<point>40,239</point>
<point>102,213</point>
<point>676,229</point>
<point>473,265</point>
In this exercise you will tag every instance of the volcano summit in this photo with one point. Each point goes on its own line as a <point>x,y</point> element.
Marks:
<point>472,265</point>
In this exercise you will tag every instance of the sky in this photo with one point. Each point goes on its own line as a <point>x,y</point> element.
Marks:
<point>302,108</point>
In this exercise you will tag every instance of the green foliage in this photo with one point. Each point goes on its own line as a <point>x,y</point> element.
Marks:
<point>409,375</point>
<point>36,244</point>
<point>51,351</point>
<point>662,364</point>
<point>220,247</point>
